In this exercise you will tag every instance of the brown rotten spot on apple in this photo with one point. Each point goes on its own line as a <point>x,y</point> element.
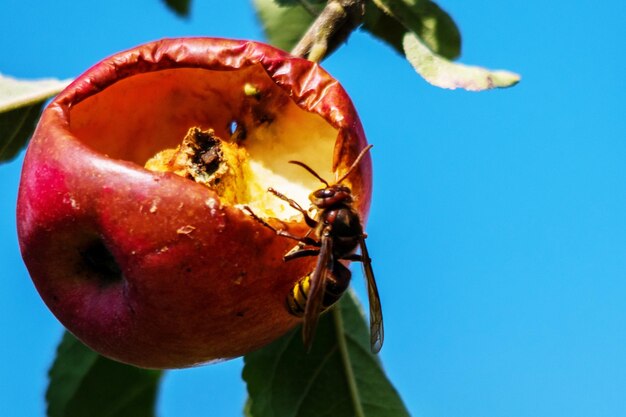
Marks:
<point>129,208</point>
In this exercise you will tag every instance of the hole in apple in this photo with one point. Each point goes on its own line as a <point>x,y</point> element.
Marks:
<point>232,128</point>
<point>237,131</point>
<point>101,262</point>
<point>245,108</point>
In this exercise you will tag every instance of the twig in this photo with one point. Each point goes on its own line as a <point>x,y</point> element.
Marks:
<point>331,28</point>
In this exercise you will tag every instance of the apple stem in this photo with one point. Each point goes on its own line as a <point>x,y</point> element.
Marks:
<point>331,28</point>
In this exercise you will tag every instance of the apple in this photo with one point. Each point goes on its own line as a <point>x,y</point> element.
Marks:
<point>150,266</point>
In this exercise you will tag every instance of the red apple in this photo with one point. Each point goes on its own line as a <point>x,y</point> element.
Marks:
<point>154,269</point>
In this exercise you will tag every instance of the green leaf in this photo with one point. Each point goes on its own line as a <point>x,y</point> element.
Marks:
<point>285,21</point>
<point>445,74</point>
<point>83,383</point>
<point>16,127</point>
<point>247,408</point>
<point>390,20</point>
<point>16,93</point>
<point>339,377</point>
<point>21,103</point>
<point>384,27</point>
<point>180,7</point>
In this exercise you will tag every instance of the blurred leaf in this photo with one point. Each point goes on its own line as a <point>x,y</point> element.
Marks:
<point>16,127</point>
<point>180,7</point>
<point>390,20</point>
<point>83,383</point>
<point>339,377</point>
<point>21,103</point>
<point>16,93</point>
<point>285,21</point>
<point>445,74</point>
<point>304,3</point>
<point>247,408</point>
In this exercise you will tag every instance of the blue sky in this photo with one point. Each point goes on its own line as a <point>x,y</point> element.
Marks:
<point>498,225</point>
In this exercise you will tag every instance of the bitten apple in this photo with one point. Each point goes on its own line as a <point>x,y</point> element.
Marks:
<point>158,268</point>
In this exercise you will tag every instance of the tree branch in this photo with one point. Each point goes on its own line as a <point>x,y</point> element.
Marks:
<point>331,28</point>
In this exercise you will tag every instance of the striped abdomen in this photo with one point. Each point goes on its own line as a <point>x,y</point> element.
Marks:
<point>335,285</point>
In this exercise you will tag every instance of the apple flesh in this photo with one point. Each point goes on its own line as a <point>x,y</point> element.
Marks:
<point>153,268</point>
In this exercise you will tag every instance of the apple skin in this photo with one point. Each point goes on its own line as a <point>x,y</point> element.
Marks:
<point>151,269</point>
